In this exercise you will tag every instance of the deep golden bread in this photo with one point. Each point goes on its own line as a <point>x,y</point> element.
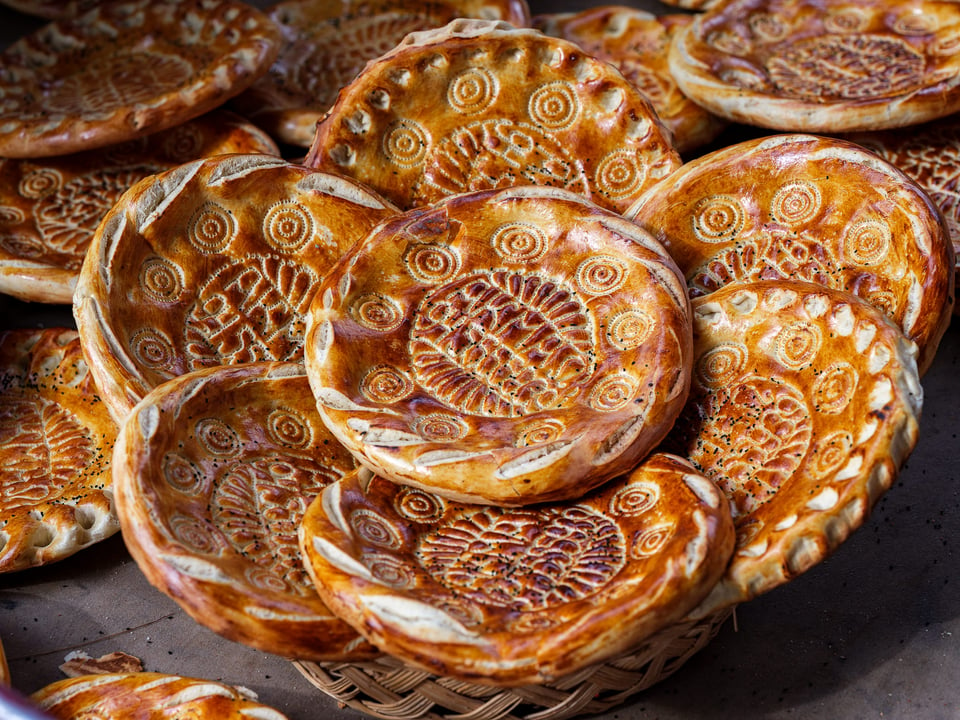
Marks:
<point>213,471</point>
<point>930,155</point>
<point>56,439</point>
<point>125,69</point>
<point>809,208</point>
<point>50,207</point>
<point>637,43</point>
<point>506,347</point>
<point>804,406</point>
<point>478,104</point>
<point>516,596</point>
<point>822,66</point>
<point>211,263</point>
<point>148,696</point>
<point>326,44</point>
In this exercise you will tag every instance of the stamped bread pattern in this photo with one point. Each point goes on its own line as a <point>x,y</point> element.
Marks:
<point>480,105</point>
<point>219,469</point>
<point>517,594</point>
<point>519,355</point>
<point>804,406</point>
<point>56,440</point>
<point>210,263</point>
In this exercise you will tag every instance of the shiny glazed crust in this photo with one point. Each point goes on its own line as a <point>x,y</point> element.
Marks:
<point>211,263</point>
<point>930,155</point>
<point>822,65</point>
<point>126,69</point>
<point>809,208</point>
<point>143,695</point>
<point>515,596</point>
<point>637,43</point>
<point>213,472</point>
<point>327,43</point>
<point>506,347</point>
<point>56,439</point>
<point>804,406</point>
<point>478,105</point>
<point>51,207</point>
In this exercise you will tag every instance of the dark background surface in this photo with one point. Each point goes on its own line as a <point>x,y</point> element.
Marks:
<point>872,632</point>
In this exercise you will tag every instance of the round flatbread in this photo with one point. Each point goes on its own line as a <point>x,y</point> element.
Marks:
<point>516,596</point>
<point>822,65</point>
<point>506,346</point>
<point>637,43</point>
<point>478,105</point>
<point>213,473</point>
<point>930,155</point>
<point>805,404</point>
<point>815,209</point>
<point>326,44</point>
<point>126,69</point>
<point>147,696</point>
<point>211,263</point>
<point>50,207</point>
<point>56,439</point>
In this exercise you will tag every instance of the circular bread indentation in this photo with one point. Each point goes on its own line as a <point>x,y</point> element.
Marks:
<point>719,218</point>
<point>161,280</point>
<point>629,329</point>
<point>635,498</point>
<point>212,228</point>
<point>288,428</point>
<point>431,263</point>
<point>519,242</point>
<point>473,90</point>
<point>406,143</point>
<point>620,174</point>
<point>377,312</point>
<point>385,384</point>
<point>867,242</point>
<point>796,203</point>
<point>554,106</point>
<point>601,275</point>
<point>288,226</point>
<point>419,506</point>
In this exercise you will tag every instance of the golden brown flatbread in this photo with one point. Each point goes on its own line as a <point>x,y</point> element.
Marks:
<point>804,406</point>
<point>213,472</point>
<point>125,69</point>
<point>478,104</point>
<point>211,263</point>
<point>506,346</point>
<point>516,596</point>
<point>148,696</point>
<point>326,44</point>
<point>930,155</point>
<point>809,208</point>
<point>823,66</point>
<point>56,439</point>
<point>637,43</point>
<point>50,207</point>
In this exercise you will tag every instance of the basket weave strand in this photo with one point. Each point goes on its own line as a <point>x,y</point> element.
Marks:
<point>387,688</point>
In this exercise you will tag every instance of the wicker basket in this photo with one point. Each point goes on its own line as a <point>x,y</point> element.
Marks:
<point>386,688</point>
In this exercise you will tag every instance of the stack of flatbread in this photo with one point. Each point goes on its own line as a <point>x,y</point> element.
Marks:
<point>494,380</point>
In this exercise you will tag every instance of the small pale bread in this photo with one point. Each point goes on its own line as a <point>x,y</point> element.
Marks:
<point>929,154</point>
<point>326,44</point>
<point>478,104</point>
<point>50,208</point>
<point>809,208</point>
<point>637,43</point>
<point>506,346</point>
<point>56,439</point>
<point>516,596</point>
<point>125,69</point>
<point>823,66</point>
<point>805,404</point>
<point>213,472</point>
<point>148,696</point>
<point>211,263</point>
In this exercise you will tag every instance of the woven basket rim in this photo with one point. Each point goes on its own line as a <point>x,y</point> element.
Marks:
<point>386,687</point>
